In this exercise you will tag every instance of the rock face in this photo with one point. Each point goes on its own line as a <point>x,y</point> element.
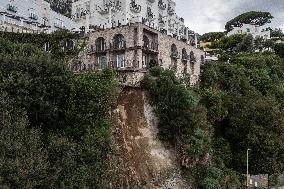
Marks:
<point>139,159</point>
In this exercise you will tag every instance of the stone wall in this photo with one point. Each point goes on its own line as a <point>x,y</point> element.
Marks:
<point>135,52</point>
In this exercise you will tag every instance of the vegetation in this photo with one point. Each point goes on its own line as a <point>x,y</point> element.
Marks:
<point>55,43</point>
<point>212,36</point>
<point>252,17</point>
<point>244,102</point>
<point>183,122</point>
<point>54,128</point>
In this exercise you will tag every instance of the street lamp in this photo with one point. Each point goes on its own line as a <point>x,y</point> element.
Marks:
<point>248,167</point>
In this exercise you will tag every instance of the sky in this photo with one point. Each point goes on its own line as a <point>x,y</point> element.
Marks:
<point>204,16</point>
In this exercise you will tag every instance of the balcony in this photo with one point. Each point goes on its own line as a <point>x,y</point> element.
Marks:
<point>12,8</point>
<point>162,5</point>
<point>33,16</point>
<point>151,47</point>
<point>175,55</point>
<point>115,4</point>
<point>184,57</point>
<point>171,11</point>
<point>59,25</point>
<point>121,45</point>
<point>150,14</point>
<point>134,7</point>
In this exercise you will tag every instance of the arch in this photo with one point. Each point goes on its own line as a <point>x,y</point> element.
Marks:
<point>184,54</point>
<point>100,44</point>
<point>202,59</point>
<point>69,45</point>
<point>119,41</point>
<point>174,51</point>
<point>192,57</point>
<point>146,41</point>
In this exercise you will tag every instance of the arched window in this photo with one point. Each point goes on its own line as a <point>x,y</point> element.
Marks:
<point>69,45</point>
<point>202,59</point>
<point>192,57</point>
<point>45,21</point>
<point>146,41</point>
<point>119,41</point>
<point>100,44</point>
<point>174,50</point>
<point>184,54</point>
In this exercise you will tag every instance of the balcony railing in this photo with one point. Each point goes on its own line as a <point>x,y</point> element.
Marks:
<point>171,11</point>
<point>135,7</point>
<point>33,16</point>
<point>162,5</point>
<point>150,14</point>
<point>175,55</point>
<point>115,4</point>
<point>121,45</point>
<point>12,8</point>
<point>185,57</point>
<point>153,46</point>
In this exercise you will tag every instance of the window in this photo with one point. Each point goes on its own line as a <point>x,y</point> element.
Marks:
<point>248,30</point>
<point>102,62</point>
<point>100,44</point>
<point>120,61</point>
<point>32,14</point>
<point>58,23</point>
<point>119,41</point>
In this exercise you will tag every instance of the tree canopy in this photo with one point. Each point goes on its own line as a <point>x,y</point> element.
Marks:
<point>212,36</point>
<point>252,17</point>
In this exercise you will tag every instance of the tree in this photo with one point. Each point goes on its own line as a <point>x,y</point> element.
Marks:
<point>277,32</point>
<point>244,100</point>
<point>23,160</point>
<point>279,49</point>
<point>252,17</point>
<point>247,44</point>
<point>212,36</point>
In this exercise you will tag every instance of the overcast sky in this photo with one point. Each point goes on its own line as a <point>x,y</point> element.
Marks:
<point>211,15</point>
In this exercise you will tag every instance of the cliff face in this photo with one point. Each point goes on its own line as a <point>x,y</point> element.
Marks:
<point>139,159</point>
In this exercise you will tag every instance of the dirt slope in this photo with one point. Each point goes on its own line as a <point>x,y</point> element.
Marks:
<point>140,160</point>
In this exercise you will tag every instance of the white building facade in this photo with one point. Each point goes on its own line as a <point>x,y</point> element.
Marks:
<point>254,30</point>
<point>158,14</point>
<point>29,16</point>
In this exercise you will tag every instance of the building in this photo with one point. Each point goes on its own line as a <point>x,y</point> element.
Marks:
<point>158,14</point>
<point>127,35</point>
<point>31,16</point>
<point>132,49</point>
<point>254,30</point>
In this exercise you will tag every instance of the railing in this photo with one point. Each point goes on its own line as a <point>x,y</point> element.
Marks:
<point>185,57</point>
<point>171,11</point>
<point>115,4</point>
<point>118,45</point>
<point>135,7</point>
<point>58,25</point>
<point>12,8</point>
<point>150,14</point>
<point>162,5</point>
<point>175,55</point>
<point>33,16</point>
<point>117,65</point>
<point>153,46</point>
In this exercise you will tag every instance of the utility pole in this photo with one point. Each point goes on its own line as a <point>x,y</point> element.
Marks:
<point>248,167</point>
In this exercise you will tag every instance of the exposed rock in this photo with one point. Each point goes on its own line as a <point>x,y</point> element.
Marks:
<point>140,159</point>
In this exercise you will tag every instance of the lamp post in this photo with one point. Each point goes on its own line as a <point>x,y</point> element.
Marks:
<point>248,167</point>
